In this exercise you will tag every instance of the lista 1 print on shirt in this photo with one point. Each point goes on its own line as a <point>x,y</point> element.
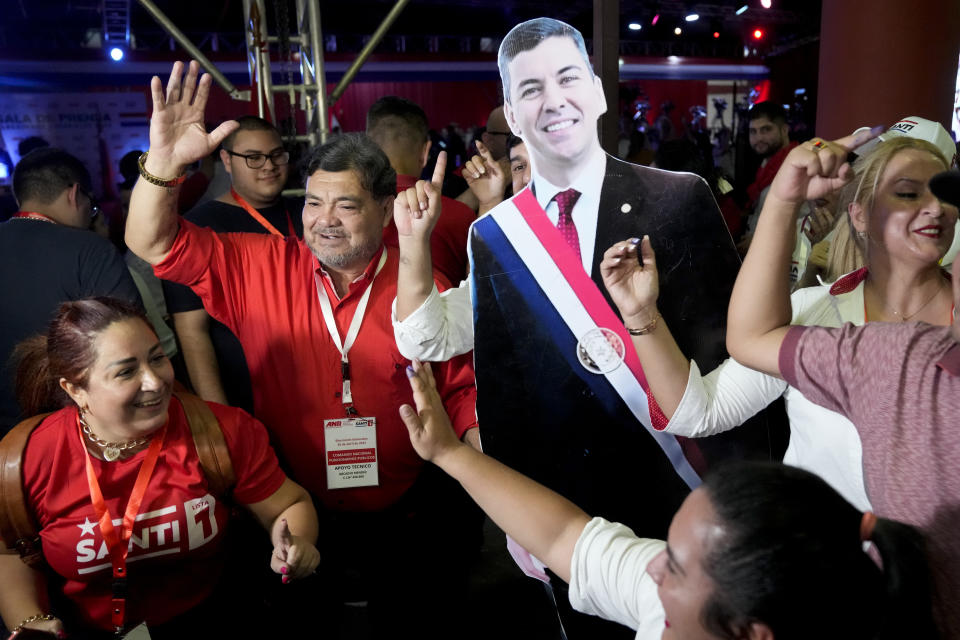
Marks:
<point>174,529</point>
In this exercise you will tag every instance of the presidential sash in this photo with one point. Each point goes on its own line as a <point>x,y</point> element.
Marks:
<point>519,232</point>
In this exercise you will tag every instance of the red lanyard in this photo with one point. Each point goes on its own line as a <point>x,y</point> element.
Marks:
<point>33,215</point>
<point>117,542</point>
<point>256,215</point>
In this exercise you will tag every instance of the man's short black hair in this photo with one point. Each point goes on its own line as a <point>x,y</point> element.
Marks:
<point>356,152</point>
<point>392,118</point>
<point>526,36</point>
<point>43,174</point>
<point>770,110</point>
<point>248,123</point>
<point>31,144</point>
<point>513,141</point>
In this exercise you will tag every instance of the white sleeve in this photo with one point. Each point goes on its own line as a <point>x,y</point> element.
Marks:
<point>723,399</point>
<point>440,328</point>
<point>608,577</point>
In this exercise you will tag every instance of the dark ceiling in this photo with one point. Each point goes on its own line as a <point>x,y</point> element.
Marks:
<point>61,28</point>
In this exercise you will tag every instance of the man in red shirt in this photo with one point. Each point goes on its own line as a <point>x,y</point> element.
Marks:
<point>313,317</point>
<point>399,126</point>
<point>769,139</point>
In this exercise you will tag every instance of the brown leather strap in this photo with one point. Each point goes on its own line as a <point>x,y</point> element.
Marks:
<point>211,445</point>
<point>17,525</point>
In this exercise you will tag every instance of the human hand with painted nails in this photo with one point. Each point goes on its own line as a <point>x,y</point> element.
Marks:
<point>486,178</point>
<point>817,168</point>
<point>629,272</point>
<point>178,136</point>
<point>293,557</point>
<point>431,433</point>
<point>416,210</point>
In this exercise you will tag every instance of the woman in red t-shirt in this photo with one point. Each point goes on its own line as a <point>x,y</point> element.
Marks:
<point>114,482</point>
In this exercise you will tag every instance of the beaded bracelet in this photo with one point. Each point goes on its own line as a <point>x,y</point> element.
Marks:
<point>152,179</point>
<point>37,617</point>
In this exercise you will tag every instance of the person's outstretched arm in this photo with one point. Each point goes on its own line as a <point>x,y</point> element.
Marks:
<point>415,212</point>
<point>177,139</point>
<point>541,521</point>
<point>629,272</point>
<point>427,325</point>
<point>759,313</point>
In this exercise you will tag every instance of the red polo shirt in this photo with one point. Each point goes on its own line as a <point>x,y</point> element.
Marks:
<point>264,289</point>
<point>448,242</point>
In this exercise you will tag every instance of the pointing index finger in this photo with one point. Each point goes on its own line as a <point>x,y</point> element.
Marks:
<point>440,170</point>
<point>858,139</point>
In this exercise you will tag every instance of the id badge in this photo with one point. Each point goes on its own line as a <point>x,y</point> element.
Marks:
<point>351,452</point>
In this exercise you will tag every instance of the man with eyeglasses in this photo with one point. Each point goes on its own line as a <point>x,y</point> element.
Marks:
<point>258,166</point>
<point>48,257</point>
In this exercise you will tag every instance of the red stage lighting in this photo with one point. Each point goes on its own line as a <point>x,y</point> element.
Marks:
<point>758,34</point>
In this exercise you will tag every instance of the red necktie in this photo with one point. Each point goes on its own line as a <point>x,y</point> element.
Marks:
<point>565,201</point>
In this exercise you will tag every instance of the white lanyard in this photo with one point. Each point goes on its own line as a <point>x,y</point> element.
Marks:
<point>352,331</point>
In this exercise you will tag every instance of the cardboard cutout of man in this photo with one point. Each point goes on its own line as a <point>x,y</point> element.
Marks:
<point>560,396</point>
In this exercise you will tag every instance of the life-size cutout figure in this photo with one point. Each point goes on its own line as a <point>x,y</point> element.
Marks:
<point>552,357</point>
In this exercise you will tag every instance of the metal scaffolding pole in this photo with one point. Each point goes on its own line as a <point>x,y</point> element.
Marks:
<point>319,75</point>
<point>375,39</point>
<point>194,52</point>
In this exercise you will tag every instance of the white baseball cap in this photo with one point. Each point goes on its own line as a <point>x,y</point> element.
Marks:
<point>916,127</point>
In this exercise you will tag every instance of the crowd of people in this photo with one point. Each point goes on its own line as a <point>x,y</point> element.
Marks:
<point>271,409</point>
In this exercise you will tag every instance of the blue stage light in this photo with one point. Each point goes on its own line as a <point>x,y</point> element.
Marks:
<point>116,54</point>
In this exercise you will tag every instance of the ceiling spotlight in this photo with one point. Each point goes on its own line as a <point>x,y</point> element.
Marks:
<point>692,17</point>
<point>634,26</point>
<point>116,54</point>
<point>742,10</point>
<point>766,3</point>
<point>757,34</point>
<point>656,18</point>
<point>716,34</point>
<point>677,31</point>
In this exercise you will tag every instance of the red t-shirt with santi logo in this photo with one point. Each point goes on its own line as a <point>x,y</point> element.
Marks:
<point>172,560</point>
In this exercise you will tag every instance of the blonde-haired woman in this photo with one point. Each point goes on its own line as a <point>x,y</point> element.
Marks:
<point>904,230</point>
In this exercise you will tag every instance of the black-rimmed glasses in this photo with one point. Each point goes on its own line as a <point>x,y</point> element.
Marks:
<point>257,160</point>
<point>94,203</point>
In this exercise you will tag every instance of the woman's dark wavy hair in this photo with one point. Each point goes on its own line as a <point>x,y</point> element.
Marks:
<point>790,556</point>
<point>65,352</point>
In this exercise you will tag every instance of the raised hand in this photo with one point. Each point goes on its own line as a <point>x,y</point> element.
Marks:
<point>817,167</point>
<point>431,434</point>
<point>293,557</point>
<point>177,133</point>
<point>486,177</point>
<point>819,221</point>
<point>629,272</point>
<point>416,210</point>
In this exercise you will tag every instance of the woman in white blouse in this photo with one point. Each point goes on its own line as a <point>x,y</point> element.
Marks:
<point>903,231</point>
<point>761,551</point>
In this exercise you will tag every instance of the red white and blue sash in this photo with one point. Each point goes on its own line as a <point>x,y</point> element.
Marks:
<point>579,302</point>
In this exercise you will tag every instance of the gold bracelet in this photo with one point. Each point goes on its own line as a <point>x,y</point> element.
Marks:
<point>152,179</point>
<point>642,331</point>
<point>37,617</point>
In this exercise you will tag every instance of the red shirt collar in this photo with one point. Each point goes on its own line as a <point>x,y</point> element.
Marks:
<point>405,182</point>
<point>358,285</point>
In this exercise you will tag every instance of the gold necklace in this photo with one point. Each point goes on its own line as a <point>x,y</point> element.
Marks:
<point>110,450</point>
<point>904,318</point>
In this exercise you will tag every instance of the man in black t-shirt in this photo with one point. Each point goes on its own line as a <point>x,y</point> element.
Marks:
<point>48,257</point>
<point>254,157</point>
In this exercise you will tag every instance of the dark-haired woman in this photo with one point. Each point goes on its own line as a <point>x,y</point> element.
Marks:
<point>114,482</point>
<point>759,552</point>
